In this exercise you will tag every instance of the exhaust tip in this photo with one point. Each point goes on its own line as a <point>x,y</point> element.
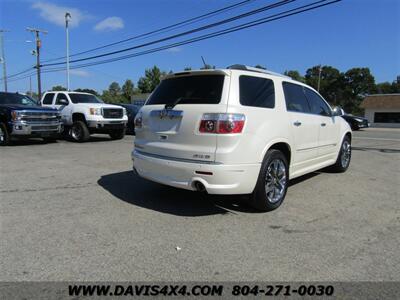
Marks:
<point>199,186</point>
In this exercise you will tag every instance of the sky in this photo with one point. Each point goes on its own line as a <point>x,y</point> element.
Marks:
<point>350,33</point>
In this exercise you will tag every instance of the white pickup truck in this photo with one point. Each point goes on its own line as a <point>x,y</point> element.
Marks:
<point>84,114</point>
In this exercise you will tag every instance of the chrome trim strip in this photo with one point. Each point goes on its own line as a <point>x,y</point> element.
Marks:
<point>176,159</point>
<point>310,148</point>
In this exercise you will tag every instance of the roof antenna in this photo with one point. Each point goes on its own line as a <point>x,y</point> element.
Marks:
<point>204,62</point>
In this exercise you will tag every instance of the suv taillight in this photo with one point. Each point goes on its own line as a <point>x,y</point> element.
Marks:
<point>138,121</point>
<point>222,123</point>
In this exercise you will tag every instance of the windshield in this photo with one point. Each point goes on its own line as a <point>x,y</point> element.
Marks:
<point>9,98</point>
<point>198,89</point>
<point>84,98</point>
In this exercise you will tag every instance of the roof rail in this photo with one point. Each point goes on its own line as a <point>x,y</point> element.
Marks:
<point>259,70</point>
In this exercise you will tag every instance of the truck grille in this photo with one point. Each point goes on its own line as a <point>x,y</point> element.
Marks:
<point>112,113</point>
<point>40,116</point>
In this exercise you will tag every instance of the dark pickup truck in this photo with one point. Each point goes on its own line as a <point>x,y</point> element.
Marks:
<point>22,117</point>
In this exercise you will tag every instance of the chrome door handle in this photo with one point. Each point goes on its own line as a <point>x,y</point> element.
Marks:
<point>297,123</point>
<point>323,124</point>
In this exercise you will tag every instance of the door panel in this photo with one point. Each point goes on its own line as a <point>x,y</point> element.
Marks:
<point>328,136</point>
<point>304,130</point>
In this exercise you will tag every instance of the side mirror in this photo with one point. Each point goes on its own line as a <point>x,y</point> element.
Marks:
<point>63,102</point>
<point>337,111</point>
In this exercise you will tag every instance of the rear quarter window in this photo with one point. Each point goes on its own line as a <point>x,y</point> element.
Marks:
<point>256,91</point>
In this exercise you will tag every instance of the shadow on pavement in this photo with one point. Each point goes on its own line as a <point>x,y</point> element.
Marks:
<point>132,189</point>
<point>383,150</point>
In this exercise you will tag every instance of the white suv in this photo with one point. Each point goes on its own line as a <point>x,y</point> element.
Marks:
<point>238,130</point>
<point>84,114</point>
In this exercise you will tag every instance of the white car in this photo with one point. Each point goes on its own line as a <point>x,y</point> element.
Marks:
<point>238,130</point>
<point>84,114</point>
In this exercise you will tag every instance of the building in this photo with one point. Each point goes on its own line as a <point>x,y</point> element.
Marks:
<point>382,110</point>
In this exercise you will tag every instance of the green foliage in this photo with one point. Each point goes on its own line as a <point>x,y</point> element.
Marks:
<point>295,75</point>
<point>58,88</point>
<point>150,80</point>
<point>90,91</point>
<point>331,82</point>
<point>188,69</point>
<point>128,90</point>
<point>260,67</point>
<point>388,88</point>
<point>358,82</point>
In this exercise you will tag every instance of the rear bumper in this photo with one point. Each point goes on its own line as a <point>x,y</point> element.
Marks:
<point>225,179</point>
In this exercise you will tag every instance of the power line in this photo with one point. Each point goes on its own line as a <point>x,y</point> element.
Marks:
<point>257,22</point>
<point>244,15</point>
<point>163,29</point>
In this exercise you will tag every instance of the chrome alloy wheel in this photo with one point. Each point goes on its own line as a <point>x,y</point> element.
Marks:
<point>275,180</point>
<point>2,134</point>
<point>76,132</point>
<point>345,154</point>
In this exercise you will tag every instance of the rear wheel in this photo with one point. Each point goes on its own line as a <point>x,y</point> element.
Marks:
<point>79,132</point>
<point>4,136</point>
<point>272,183</point>
<point>117,134</point>
<point>344,157</point>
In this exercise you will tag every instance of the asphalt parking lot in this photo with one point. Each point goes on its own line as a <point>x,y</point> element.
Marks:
<point>77,212</point>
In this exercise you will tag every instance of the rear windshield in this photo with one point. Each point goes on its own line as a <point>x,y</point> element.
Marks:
<point>84,98</point>
<point>197,89</point>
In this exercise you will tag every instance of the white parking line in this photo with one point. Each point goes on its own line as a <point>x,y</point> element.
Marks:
<point>376,139</point>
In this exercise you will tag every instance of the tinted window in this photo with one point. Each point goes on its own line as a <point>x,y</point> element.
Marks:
<point>84,98</point>
<point>197,89</point>
<point>48,99</point>
<point>256,91</point>
<point>295,98</point>
<point>59,97</point>
<point>11,98</point>
<point>318,105</point>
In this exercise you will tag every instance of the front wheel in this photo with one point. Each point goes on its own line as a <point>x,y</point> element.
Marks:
<point>272,182</point>
<point>117,134</point>
<point>4,136</point>
<point>344,157</point>
<point>79,132</point>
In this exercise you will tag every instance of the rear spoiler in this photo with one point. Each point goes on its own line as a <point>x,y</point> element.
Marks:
<point>198,72</point>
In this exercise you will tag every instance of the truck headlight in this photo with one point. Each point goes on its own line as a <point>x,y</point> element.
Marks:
<point>125,113</point>
<point>15,115</point>
<point>95,111</point>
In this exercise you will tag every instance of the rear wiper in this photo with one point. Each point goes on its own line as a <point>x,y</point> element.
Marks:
<point>173,104</point>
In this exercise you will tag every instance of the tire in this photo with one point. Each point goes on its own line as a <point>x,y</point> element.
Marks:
<point>344,157</point>
<point>274,173</point>
<point>4,135</point>
<point>117,134</point>
<point>79,132</point>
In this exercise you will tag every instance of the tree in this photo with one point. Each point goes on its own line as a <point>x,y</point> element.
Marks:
<point>58,88</point>
<point>358,82</point>
<point>188,68</point>
<point>150,80</point>
<point>295,75</point>
<point>90,91</point>
<point>331,83</point>
<point>113,94</point>
<point>260,67</point>
<point>128,90</point>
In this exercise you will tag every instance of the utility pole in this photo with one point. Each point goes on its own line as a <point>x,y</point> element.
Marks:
<point>30,86</point>
<point>3,58</point>
<point>67,18</point>
<point>38,46</point>
<point>319,76</point>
